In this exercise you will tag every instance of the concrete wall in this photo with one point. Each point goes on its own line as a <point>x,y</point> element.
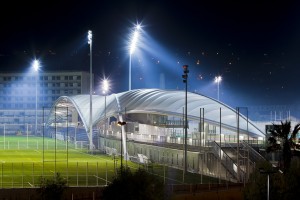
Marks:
<point>160,154</point>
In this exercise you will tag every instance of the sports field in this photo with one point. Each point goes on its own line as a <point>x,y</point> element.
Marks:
<point>24,160</point>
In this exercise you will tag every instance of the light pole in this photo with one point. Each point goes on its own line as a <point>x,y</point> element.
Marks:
<point>268,172</point>
<point>218,79</point>
<point>122,124</point>
<point>90,41</point>
<point>105,88</point>
<point>185,80</point>
<point>36,66</point>
<point>132,47</point>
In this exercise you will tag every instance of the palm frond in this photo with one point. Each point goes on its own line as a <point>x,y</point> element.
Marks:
<point>272,140</point>
<point>295,131</point>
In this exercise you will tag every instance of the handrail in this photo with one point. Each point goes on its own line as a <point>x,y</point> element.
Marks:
<point>227,161</point>
<point>233,148</point>
<point>257,156</point>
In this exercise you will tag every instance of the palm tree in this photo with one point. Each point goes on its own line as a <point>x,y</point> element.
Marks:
<point>282,139</point>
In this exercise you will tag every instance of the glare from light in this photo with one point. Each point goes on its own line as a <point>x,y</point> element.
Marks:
<point>105,86</point>
<point>36,65</point>
<point>90,37</point>
<point>134,39</point>
<point>218,79</point>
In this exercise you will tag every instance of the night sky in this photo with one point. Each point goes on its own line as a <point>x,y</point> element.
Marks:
<point>253,45</point>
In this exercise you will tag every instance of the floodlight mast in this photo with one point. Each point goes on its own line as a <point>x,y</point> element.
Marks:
<point>36,66</point>
<point>132,48</point>
<point>185,80</point>
<point>90,41</point>
<point>105,88</point>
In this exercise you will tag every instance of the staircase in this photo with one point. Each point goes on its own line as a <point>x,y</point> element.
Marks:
<point>238,160</point>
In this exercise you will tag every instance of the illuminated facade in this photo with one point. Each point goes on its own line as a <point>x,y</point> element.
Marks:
<point>18,92</point>
<point>159,108</point>
<point>154,128</point>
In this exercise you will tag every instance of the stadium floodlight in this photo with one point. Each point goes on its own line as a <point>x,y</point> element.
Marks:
<point>105,86</point>
<point>133,44</point>
<point>218,79</point>
<point>36,67</point>
<point>90,41</point>
<point>105,89</point>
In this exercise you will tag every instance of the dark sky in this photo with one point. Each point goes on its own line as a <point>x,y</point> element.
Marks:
<point>254,45</point>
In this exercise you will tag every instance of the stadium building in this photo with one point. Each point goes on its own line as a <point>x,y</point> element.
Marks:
<point>221,141</point>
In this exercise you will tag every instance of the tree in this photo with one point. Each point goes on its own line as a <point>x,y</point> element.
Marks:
<point>52,189</point>
<point>138,185</point>
<point>256,188</point>
<point>282,186</point>
<point>283,140</point>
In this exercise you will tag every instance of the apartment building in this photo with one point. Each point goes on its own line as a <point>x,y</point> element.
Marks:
<point>26,98</point>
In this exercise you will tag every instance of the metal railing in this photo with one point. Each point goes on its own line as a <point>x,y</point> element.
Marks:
<point>227,162</point>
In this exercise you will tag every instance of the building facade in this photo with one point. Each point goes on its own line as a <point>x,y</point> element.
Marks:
<point>26,98</point>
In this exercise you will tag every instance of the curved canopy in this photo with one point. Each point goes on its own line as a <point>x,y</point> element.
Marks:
<point>156,101</point>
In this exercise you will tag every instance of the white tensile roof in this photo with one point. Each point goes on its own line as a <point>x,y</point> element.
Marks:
<point>156,101</point>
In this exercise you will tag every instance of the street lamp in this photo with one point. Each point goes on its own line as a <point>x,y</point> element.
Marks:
<point>36,66</point>
<point>105,88</point>
<point>268,172</point>
<point>121,124</point>
<point>132,47</point>
<point>218,79</point>
<point>90,41</point>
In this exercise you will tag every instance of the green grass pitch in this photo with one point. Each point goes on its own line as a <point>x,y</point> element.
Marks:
<point>24,160</point>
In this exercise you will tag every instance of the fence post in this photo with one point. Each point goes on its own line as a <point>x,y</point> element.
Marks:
<point>67,173</point>
<point>1,175</point>
<point>86,174</point>
<point>97,174</point>
<point>106,174</point>
<point>164,173</point>
<point>4,136</point>
<point>77,173</point>
<point>12,174</point>
<point>22,175</point>
<point>33,173</point>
